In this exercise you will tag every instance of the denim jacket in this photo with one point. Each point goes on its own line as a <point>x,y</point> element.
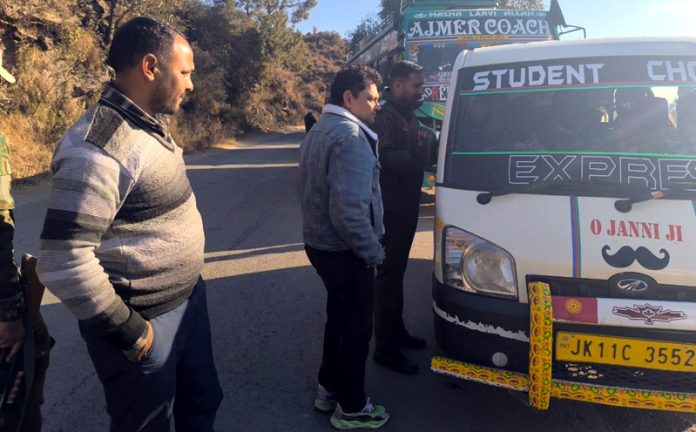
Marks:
<point>339,189</point>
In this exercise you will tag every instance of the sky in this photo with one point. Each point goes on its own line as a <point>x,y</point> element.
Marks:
<point>601,18</point>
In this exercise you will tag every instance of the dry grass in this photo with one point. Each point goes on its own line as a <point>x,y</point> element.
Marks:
<point>29,156</point>
<point>193,133</point>
<point>47,99</point>
<point>55,86</point>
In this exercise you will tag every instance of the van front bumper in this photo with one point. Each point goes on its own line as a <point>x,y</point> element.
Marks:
<point>476,328</point>
<point>539,380</point>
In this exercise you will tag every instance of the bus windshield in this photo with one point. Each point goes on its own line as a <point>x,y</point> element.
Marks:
<point>619,120</point>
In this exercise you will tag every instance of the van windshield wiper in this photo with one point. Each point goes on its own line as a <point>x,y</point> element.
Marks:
<point>626,204</point>
<point>484,198</point>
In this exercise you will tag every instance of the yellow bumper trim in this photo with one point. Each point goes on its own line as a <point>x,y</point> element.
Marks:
<point>539,383</point>
<point>559,389</point>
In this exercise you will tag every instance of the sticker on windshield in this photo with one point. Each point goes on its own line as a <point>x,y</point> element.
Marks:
<point>648,173</point>
<point>571,73</point>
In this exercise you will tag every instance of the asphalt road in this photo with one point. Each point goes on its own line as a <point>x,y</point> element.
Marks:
<point>267,313</point>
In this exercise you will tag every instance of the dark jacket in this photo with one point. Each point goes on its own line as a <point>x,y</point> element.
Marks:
<point>309,121</point>
<point>401,157</point>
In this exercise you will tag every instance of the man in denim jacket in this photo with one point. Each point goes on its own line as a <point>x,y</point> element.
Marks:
<point>342,227</point>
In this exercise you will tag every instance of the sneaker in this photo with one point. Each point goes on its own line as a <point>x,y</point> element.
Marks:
<point>370,417</point>
<point>325,400</point>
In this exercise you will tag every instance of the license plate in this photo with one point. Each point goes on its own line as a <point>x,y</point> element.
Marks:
<point>641,353</point>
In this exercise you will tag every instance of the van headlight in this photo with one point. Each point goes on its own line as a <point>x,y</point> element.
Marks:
<point>475,265</point>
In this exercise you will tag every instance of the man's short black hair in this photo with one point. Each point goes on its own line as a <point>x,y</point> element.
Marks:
<point>139,37</point>
<point>355,78</point>
<point>403,70</point>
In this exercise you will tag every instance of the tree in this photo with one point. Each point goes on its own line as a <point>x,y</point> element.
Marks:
<point>298,10</point>
<point>368,27</point>
<point>107,15</point>
<point>388,8</point>
<point>253,69</point>
<point>253,51</point>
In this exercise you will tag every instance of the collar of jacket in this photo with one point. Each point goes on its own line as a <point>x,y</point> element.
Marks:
<point>126,107</point>
<point>340,111</point>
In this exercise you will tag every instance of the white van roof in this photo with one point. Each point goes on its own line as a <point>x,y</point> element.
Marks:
<point>547,50</point>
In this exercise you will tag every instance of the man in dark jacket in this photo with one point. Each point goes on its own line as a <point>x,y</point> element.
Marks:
<point>402,158</point>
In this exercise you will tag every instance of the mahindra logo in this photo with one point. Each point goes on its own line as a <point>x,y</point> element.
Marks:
<point>632,285</point>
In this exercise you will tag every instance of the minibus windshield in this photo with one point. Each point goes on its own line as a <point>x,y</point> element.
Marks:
<point>628,121</point>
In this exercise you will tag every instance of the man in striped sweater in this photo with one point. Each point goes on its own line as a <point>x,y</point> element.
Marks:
<point>122,243</point>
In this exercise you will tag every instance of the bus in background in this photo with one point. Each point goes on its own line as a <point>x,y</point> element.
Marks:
<point>432,33</point>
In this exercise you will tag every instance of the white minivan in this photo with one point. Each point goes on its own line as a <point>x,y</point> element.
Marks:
<point>565,236</point>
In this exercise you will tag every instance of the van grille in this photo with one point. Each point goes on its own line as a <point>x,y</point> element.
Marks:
<point>620,376</point>
<point>574,287</point>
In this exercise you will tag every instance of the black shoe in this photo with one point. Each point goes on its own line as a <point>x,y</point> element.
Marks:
<point>409,341</point>
<point>396,361</point>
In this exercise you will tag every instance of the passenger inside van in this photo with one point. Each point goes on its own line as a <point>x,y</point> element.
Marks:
<point>639,112</point>
<point>520,119</point>
<point>483,128</point>
<point>686,118</point>
<point>570,122</point>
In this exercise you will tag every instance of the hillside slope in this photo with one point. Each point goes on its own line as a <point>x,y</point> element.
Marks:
<point>56,51</point>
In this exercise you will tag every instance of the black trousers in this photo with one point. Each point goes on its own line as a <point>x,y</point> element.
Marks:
<point>400,228</point>
<point>350,288</point>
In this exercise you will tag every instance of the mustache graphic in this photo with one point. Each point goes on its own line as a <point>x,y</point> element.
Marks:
<point>625,256</point>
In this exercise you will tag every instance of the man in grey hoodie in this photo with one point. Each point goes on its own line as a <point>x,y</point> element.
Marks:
<point>122,242</point>
<point>342,228</point>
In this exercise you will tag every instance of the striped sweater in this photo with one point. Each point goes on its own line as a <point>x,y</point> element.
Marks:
<point>123,240</point>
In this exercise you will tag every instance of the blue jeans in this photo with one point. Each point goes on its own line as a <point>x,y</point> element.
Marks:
<point>177,379</point>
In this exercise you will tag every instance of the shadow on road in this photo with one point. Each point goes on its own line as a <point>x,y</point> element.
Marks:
<point>267,331</point>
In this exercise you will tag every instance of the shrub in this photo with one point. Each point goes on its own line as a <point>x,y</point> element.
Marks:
<point>29,156</point>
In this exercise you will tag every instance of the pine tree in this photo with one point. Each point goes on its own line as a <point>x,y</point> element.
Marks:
<point>367,28</point>
<point>388,8</point>
<point>298,10</point>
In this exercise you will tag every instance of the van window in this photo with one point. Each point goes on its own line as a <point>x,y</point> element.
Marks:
<point>627,121</point>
